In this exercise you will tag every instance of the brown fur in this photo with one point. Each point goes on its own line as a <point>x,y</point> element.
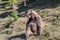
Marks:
<point>34,24</point>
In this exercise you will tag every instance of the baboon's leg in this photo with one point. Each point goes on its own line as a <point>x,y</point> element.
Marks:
<point>39,26</point>
<point>39,30</point>
<point>28,32</point>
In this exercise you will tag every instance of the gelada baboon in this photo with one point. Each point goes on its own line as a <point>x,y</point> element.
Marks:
<point>34,25</point>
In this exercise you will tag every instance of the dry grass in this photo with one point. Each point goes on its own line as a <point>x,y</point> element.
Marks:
<point>51,19</point>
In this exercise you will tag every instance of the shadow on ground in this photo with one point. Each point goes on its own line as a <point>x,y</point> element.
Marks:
<point>21,36</point>
<point>3,15</point>
<point>41,4</point>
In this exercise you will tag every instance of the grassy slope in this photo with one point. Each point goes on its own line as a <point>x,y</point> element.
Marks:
<point>16,30</point>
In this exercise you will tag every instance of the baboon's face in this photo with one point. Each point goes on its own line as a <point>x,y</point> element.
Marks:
<point>30,14</point>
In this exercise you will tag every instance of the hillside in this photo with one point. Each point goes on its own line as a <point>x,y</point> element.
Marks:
<point>11,29</point>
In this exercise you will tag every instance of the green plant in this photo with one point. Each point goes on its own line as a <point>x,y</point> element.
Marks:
<point>13,3</point>
<point>15,15</point>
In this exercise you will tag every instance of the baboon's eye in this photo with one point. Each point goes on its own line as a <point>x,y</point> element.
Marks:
<point>30,14</point>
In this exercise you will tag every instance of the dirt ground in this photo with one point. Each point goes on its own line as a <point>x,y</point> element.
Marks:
<point>16,29</point>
